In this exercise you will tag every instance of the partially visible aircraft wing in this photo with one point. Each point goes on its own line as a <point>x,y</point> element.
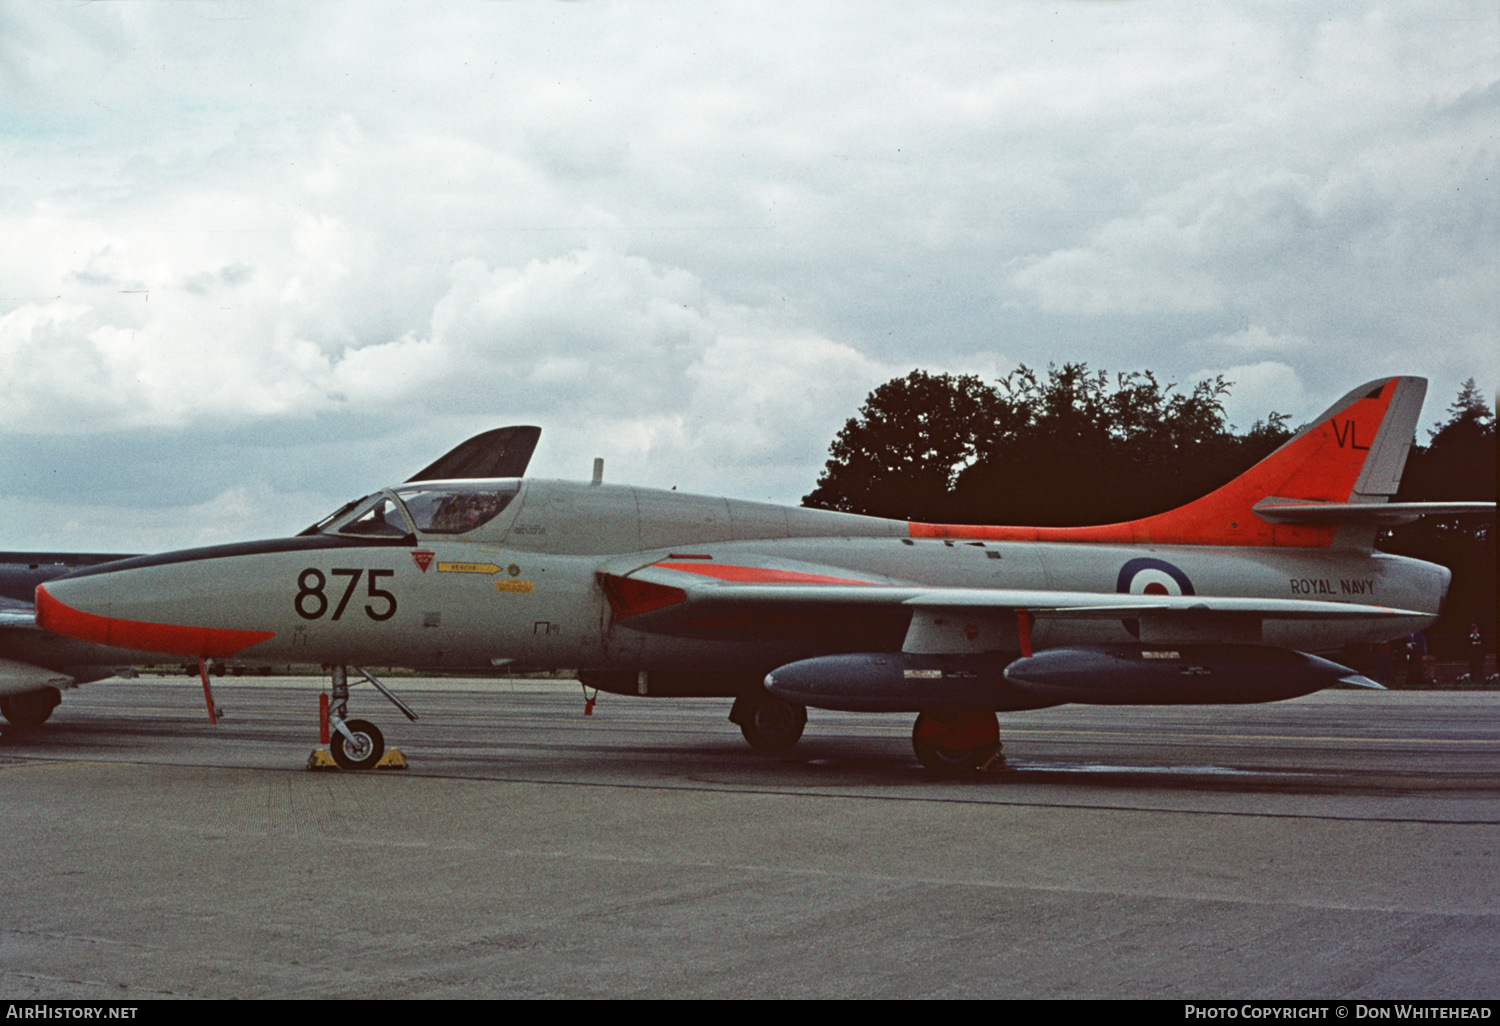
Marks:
<point>502,452</point>
<point>30,657</point>
<point>14,613</point>
<point>19,675</point>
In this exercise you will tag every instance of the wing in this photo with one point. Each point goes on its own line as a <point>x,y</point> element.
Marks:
<point>14,613</point>
<point>18,631</point>
<point>708,598</point>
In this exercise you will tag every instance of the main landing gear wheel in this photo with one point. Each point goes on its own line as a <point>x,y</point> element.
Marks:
<point>363,752</point>
<point>30,708</point>
<point>953,743</point>
<point>769,723</point>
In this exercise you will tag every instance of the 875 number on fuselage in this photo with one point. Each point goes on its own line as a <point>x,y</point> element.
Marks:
<point>312,601</point>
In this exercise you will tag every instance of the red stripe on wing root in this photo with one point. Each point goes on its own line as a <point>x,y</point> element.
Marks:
<point>631,596</point>
<point>755,574</point>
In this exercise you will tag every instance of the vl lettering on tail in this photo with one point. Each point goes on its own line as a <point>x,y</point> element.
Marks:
<point>1347,435</point>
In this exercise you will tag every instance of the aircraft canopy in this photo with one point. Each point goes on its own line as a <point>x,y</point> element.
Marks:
<point>438,507</point>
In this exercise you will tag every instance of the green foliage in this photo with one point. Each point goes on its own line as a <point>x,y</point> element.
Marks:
<point>902,455</point>
<point>1071,448</point>
<point>1457,465</point>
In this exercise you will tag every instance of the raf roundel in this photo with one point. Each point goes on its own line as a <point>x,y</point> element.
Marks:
<point>1146,575</point>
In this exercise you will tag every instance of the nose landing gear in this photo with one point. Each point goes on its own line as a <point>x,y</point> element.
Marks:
<point>355,744</point>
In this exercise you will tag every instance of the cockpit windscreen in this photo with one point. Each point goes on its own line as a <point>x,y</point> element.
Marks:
<point>374,516</point>
<point>384,519</point>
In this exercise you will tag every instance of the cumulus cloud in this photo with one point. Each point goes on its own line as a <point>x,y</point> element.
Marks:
<point>1253,338</point>
<point>1264,388</point>
<point>612,354</point>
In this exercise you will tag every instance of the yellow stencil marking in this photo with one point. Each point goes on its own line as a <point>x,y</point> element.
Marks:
<point>515,587</point>
<point>468,568</point>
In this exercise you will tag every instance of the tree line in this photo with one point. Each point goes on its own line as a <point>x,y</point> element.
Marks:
<point>1075,447</point>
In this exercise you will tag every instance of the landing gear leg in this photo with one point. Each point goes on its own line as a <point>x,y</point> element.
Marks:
<point>354,744</point>
<point>957,742</point>
<point>30,708</point>
<point>769,723</point>
<point>214,712</point>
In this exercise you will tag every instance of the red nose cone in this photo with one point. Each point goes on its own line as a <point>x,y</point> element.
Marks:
<point>58,618</point>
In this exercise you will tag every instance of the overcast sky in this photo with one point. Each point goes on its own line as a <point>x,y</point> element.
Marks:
<point>259,258</point>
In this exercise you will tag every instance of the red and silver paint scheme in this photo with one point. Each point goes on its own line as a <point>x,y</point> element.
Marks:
<point>1229,598</point>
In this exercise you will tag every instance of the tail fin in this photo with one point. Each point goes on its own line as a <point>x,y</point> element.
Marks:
<point>502,452</point>
<point>1330,463</point>
<point>1352,454</point>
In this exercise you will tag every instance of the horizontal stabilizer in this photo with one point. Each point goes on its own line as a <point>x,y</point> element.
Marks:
<point>1386,514</point>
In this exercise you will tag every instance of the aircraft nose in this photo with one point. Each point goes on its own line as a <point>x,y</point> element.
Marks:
<point>83,609</point>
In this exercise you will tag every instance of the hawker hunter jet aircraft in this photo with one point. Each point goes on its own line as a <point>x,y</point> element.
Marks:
<point>36,665</point>
<point>1224,600</point>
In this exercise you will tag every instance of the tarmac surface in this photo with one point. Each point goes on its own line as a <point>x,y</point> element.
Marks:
<point>1343,845</point>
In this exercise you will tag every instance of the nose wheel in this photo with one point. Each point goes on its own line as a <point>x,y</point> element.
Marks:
<point>361,749</point>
